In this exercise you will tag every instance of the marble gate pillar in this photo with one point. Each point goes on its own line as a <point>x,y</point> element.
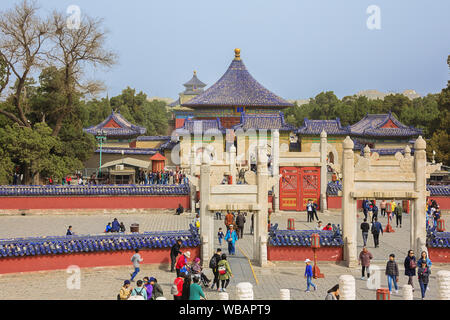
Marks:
<point>276,169</point>
<point>261,231</point>
<point>206,217</point>
<point>418,228</point>
<point>349,221</point>
<point>323,171</point>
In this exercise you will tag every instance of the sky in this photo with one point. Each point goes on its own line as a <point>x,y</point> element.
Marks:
<point>295,48</point>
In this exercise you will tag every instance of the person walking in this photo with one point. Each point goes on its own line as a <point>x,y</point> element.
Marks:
<point>125,291</point>
<point>364,260</point>
<point>157,290</point>
<point>231,237</point>
<point>424,257</point>
<point>365,227</point>
<point>195,290</point>
<point>374,211</point>
<point>398,214</point>
<point>308,275</point>
<point>240,222</point>
<point>365,208</point>
<point>213,265</point>
<point>140,290</point>
<point>220,236</point>
<point>333,293</point>
<point>225,273</point>
<point>423,274</point>
<point>392,273</point>
<point>136,259</point>
<point>377,228</point>
<point>174,252</point>
<point>410,267</point>
<point>383,204</point>
<point>181,266</point>
<point>229,219</point>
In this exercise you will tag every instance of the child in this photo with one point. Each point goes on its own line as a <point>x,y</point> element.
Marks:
<point>423,275</point>
<point>309,275</point>
<point>392,273</point>
<point>220,235</point>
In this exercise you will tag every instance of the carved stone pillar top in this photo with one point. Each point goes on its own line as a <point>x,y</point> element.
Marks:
<point>420,144</point>
<point>348,143</point>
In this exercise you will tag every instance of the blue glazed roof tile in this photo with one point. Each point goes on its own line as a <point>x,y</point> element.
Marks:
<point>192,126</point>
<point>435,190</point>
<point>126,128</point>
<point>371,125</point>
<point>263,122</point>
<point>315,127</point>
<point>237,87</point>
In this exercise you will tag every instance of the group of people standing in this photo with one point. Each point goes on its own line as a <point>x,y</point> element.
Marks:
<point>169,177</point>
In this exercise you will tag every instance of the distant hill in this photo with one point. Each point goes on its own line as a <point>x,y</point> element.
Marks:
<point>167,100</point>
<point>299,102</point>
<point>375,94</point>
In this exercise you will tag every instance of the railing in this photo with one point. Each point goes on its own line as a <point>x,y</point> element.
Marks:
<point>19,247</point>
<point>96,190</point>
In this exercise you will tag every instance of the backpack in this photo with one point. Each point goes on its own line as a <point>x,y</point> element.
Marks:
<point>213,262</point>
<point>174,289</point>
<point>374,229</point>
<point>222,269</point>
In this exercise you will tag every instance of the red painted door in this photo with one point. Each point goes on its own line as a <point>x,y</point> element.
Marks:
<point>289,188</point>
<point>309,186</point>
<point>297,186</point>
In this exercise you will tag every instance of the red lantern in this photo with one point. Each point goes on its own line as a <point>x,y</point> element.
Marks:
<point>315,245</point>
<point>315,241</point>
<point>440,225</point>
<point>383,294</point>
<point>290,225</point>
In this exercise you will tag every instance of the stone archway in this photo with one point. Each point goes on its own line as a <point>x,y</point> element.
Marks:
<point>371,177</point>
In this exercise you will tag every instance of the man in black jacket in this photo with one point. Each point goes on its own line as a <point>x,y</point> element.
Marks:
<point>240,222</point>
<point>365,227</point>
<point>213,265</point>
<point>174,252</point>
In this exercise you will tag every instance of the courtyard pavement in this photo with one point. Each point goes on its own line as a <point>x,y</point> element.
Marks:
<point>105,282</point>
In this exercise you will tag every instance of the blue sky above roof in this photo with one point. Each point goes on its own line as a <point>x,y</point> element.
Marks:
<point>296,49</point>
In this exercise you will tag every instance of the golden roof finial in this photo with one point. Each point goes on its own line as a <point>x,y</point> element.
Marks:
<point>195,73</point>
<point>237,54</point>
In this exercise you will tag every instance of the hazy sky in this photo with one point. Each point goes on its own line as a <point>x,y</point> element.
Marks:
<point>295,48</point>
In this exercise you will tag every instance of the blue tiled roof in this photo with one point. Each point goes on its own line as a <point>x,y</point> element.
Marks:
<point>118,150</point>
<point>153,138</point>
<point>302,238</point>
<point>237,88</point>
<point>19,247</point>
<point>438,239</point>
<point>439,190</point>
<point>194,82</point>
<point>387,151</point>
<point>201,126</point>
<point>264,121</point>
<point>331,127</point>
<point>126,128</point>
<point>435,190</point>
<point>371,125</point>
<point>94,190</point>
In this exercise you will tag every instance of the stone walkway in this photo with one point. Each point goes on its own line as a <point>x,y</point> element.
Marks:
<point>105,282</point>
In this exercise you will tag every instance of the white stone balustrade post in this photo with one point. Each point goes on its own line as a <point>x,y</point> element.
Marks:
<point>244,291</point>
<point>285,294</point>
<point>407,292</point>
<point>443,279</point>
<point>347,288</point>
